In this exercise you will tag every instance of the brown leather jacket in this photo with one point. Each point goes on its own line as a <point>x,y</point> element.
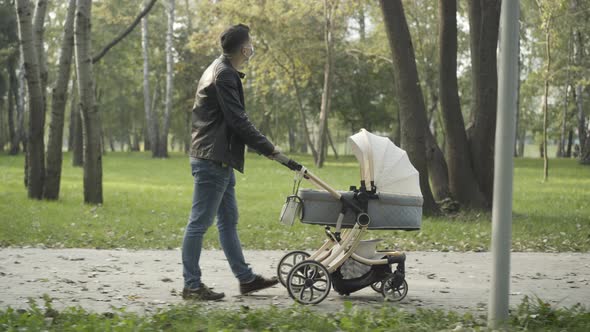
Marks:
<point>220,125</point>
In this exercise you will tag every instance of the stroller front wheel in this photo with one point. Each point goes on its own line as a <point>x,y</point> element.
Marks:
<point>287,263</point>
<point>394,288</point>
<point>309,282</point>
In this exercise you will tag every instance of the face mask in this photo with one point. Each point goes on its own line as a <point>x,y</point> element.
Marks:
<point>248,58</point>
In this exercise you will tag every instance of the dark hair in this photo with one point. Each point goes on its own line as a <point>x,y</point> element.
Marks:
<point>234,37</point>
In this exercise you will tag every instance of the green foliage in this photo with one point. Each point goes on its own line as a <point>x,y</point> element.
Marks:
<point>148,201</point>
<point>529,316</point>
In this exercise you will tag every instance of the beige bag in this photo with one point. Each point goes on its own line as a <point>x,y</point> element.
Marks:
<point>291,210</point>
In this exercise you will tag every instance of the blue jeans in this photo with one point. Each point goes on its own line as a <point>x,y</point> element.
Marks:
<point>214,195</point>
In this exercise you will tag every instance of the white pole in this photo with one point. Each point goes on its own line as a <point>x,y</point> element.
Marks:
<point>503,165</point>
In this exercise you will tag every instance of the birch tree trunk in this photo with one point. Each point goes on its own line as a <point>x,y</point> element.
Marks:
<point>545,98</point>
<point>20,106</point>
<point>329,10</point>
<point>58,106</point>
<point>163,142</point>
<point>90,116</point>
<point>150,119</point>
<point>35,164</point>
<point>13,108</point>
<point>188,115</point>
<point>412,110</point>
<point>78,136</point>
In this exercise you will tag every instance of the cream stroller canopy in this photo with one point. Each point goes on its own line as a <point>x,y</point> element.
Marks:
<point>385,164</point>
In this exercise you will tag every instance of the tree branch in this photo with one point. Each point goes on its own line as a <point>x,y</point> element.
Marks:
<point>124,34</point>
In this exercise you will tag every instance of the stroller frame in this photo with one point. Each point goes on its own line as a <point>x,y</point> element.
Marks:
<point>323,265</point>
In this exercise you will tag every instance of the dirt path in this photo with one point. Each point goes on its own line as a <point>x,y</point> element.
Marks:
<point>148,279</point>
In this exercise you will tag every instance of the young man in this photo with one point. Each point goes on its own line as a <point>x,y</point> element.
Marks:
<point>220,131</point>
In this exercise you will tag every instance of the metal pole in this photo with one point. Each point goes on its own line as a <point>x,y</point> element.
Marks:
<point>503,165</point>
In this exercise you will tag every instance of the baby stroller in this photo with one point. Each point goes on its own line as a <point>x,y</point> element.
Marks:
<point>389,198</point>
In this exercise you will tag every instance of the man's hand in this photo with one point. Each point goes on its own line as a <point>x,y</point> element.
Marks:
<point>273,154</point>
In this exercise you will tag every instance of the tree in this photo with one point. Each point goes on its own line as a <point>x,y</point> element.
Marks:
<point>9,58</point>
<point>150,118</point>
<point>330,7</point>
<point>38,35</point>
<point>484,20</point>
<point>547,27</point>
<point>77,135</point>
<point>163,142</point>
<point>462,181</point>
<point>409,93</point>
<point>35,166</point>
<point>58,106</point>
<point>90,116</point>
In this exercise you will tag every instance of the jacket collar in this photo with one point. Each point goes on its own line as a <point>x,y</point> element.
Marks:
<point>226,60</point>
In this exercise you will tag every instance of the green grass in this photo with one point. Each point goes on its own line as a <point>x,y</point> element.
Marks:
<point>530,315</point>
<point>147,202</point>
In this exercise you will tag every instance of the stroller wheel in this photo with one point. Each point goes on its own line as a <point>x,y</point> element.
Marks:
<point>309,282</point>
<point>394,288</point>
<point>287,262</point>
<point>377,286</point>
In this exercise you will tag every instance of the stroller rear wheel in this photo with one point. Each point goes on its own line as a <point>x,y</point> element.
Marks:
<point>394,287</point>
<point>309,282</point>
<point>287,263</point>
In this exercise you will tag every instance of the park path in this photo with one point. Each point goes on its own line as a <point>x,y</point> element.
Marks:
<point>144,280</point>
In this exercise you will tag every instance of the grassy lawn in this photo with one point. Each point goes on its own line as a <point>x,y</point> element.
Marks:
<point>530,315</point>
<point>147,202</point>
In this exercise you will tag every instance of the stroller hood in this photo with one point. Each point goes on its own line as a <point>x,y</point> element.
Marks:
<point>385,164</point>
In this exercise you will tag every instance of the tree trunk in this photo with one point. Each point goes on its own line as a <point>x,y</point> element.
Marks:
<point>163,153</point>
<point>189,125</point>
<point>72,124</point>
<point>570,137</point>
<point>518,132</point>
<point>462,180</point>
<point>329,11</point>
<point>308,142</point>
<point>437,168</point>
<point>90,117</point>
<point>332,143</point>
<point>58,106</point>
<point>13,108</point>
<point>585,152</point>
<point>562,138</point>
<point>150,119</point>
<point>78,136</point>
<point>484,17</point>
<point>545,99</point>
<point>409,94</point>
<point>35,148</point>
<point>22,109</point>
<point>38,35</point>
<point>579,93</point>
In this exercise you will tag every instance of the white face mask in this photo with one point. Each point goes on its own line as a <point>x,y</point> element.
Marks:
<point>248,58</point>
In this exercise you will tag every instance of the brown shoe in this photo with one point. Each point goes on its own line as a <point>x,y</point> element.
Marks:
<point>202,293</point>
<point>259,283</point>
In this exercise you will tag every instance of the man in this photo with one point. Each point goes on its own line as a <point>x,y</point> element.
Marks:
<point>220,131</point>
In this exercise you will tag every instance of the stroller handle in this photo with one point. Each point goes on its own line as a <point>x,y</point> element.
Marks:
<point>286,161</point>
